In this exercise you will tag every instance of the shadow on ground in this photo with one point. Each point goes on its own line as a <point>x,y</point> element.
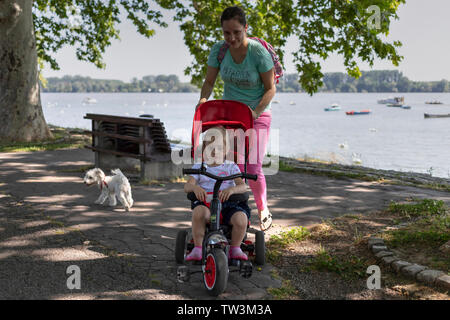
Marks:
<point>48,222</point>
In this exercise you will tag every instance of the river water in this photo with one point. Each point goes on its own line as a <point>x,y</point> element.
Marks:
<point>388,138</point>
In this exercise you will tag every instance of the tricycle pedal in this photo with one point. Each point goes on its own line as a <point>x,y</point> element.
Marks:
<point>246,269</point>
<point>183,274</point>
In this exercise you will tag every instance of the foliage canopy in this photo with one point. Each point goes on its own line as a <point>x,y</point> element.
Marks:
<point>352,29</point>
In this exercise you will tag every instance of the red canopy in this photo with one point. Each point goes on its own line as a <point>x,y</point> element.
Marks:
<point>227,113</point>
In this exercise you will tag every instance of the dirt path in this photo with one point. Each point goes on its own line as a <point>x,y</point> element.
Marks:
<point>48,222</point>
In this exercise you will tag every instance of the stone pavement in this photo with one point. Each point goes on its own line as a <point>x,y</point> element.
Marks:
<point>48,222</point>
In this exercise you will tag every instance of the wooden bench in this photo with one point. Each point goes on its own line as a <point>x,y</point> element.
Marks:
<point>130,142</point>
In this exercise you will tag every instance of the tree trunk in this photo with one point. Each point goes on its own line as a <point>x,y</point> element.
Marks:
<point>21,116</point>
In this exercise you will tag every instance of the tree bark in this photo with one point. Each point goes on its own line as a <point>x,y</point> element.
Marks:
<point>21,116</point>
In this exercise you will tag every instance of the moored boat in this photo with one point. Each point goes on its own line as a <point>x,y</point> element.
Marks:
<point>394,100</point>
<point>428,115</point>
<point>333,107</point>
<point>433,102</point>
<point>353,113</point>
<point>90,100</point>
<point>394,105</point>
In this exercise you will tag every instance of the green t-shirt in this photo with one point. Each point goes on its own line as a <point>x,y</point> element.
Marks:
<point>242,82</point>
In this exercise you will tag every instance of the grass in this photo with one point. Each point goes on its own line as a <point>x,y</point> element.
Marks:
<point>277,243</point>
<point>338,246</point>
<point>432,231</point>
<point>154,281</point>
<point>273,255</point>
<point>429,228</point>
<point>286,238</point>
<point>54,222</point>
<point>63,138</point>
<point>313,160</point>
<point>425,207</point>
<point>39,146</point>
<point>286,291</point>
<point>430,223</point>
<point>352,216</point>
<point>283,166</point>
<point>358,236</point>
<point>437,186</point>
<point>350,267</point>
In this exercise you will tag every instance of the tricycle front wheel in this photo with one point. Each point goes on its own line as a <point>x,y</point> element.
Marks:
<point>215,274</point>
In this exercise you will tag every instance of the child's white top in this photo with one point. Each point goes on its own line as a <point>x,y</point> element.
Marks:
<point>228,168</point>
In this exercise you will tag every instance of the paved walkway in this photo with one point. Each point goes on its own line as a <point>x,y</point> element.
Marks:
<point>44,204</point>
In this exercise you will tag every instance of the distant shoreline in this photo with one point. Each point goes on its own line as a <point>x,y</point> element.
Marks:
<point>321,92</point>
<point>376,81</point>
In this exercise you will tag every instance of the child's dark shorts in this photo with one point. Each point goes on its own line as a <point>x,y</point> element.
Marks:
<point>228,209</point>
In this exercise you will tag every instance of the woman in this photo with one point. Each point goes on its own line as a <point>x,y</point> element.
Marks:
<point>247,70</point>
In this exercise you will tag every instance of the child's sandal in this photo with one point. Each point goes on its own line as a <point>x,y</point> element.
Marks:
<point>195,255</point>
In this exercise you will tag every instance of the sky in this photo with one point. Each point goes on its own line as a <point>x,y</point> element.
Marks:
<point>423,29</point>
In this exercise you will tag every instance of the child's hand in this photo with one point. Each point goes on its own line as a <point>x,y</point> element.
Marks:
<point>225,194</point>
<point>200,193</point>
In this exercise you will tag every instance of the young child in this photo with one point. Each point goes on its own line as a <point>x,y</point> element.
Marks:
<point>235,214</point>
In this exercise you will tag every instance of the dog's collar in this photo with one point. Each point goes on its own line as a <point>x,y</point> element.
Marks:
<point>103,183</point>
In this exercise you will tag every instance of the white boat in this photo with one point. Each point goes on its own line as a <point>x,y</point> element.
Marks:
<point>343,145</point>
<point>392,100</point>
<point>89,100</point>
<point>334,107</point>
<point>398,105</point>
<point>292,103</point>
<point>275,101</point>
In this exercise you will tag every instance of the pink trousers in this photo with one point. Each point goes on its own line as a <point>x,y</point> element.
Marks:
<point>259,189</point>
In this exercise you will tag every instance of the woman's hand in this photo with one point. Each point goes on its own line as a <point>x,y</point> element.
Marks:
<point>225,194</point>
<point>254,114</point>
<point>201,101</point>
<point>200,193</point>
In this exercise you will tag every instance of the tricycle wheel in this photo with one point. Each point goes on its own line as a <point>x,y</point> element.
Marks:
<point>260,248</point>
<point>215,275</point>
<point>180,246</point>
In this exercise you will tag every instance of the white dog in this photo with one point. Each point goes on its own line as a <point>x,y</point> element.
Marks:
<point>111,187</point>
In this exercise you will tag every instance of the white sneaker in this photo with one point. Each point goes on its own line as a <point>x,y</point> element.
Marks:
<point>265,219</point>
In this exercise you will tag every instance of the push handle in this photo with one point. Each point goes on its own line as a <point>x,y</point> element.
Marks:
<point>192,171</point>
<point>237,197</point>
<point>234,176</point>
<point>249,176</point>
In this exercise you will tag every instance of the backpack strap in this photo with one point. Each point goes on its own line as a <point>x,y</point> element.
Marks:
<point>278,68</point>
<point>222,51</point>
